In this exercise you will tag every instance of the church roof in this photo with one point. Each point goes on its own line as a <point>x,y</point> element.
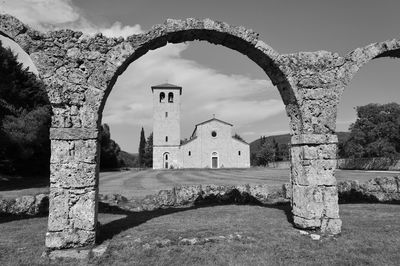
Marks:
<point>214,119</point>
<point>208,121</point>
<point>167,86</point>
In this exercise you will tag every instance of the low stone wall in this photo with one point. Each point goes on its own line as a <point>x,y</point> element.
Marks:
<point>191,195</point>
<point>25,205</point>
<point>380,189</point>
<point>369,164</point>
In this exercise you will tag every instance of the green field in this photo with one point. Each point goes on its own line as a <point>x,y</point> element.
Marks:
<point>240,234</point>
<point>371,236</point>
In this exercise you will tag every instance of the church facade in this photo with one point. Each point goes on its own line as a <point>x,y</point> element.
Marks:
<point>210,146</point>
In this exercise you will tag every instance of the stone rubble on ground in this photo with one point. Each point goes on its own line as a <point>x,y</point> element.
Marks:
<point>315,237</point>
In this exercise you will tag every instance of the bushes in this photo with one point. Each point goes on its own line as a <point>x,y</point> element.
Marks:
<point>25,116</point>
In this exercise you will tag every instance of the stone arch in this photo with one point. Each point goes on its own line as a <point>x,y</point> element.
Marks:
<point>240,39</point>
<point>361,56</point>
<point>80,72</point>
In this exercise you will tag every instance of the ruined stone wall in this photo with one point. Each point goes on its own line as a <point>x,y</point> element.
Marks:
<point>80,71</point>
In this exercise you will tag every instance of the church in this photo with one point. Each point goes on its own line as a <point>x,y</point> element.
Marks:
<point>211,144</point>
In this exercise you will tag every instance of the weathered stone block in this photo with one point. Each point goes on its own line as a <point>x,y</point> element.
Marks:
<point>73,175</point>
<point>65,151</point>
<point>313,139</point>
<point>305,223</point>
<point>331,226</point>
<point>58,209</point>
<point>73,133</point>
<point>308,202</point>
<point>331,202</point>
<point>314,172</point>
<point>259,192</point>
<point>166,198</point>
<point>23,206</point>
<point>314,152</point>
<point>187,194</point>
<point>70,238</point>
<point>83,212</point>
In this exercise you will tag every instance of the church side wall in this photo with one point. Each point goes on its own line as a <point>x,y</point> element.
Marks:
<point>242,160</point>
<point>194,159</point>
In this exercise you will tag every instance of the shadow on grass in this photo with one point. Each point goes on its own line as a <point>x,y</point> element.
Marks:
<point>133,219</point>
<point>11,217</point>
<point>18,182</point>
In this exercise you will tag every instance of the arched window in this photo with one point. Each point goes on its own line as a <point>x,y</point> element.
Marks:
<point>162,97</point>
<point>239,153</point>
<point>171,97</point>
<point>166,138</point>
<point>190,153</point>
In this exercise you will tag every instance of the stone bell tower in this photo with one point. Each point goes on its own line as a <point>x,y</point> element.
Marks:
<point>166,126</point>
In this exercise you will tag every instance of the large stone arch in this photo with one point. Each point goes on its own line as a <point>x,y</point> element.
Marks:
<point>80,72</point>
<point>359,57</point>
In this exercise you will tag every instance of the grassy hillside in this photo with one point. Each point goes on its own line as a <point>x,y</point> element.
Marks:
<point>285,139</point>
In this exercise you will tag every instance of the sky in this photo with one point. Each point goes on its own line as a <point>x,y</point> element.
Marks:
<point>215,79</point>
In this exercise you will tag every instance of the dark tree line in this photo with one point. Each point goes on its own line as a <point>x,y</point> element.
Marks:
<point>270,151</point>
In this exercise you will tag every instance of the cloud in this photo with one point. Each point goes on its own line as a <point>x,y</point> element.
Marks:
<point>45,15</point>
<point>118,30</point>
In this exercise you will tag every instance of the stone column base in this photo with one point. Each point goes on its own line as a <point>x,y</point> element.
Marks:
<point>70,238</point>
<point>330,226</point>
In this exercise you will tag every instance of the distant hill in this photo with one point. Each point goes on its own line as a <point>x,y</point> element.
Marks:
<point>285,139</point>
<point>129,159</point>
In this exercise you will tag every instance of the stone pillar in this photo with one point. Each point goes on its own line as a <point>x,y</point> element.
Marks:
<point>73,188</point>
<point>314,192</point>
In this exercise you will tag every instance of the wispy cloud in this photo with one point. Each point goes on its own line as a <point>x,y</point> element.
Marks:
<point>45,15</point>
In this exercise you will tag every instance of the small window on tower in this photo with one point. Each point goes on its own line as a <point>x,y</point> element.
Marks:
<point>166,114</point>
<point>214,133</point>
<point>171,97</point>
<point>162,97</point>
<point>190,153</point>
<point>166,138</point>
<point>239,153</point>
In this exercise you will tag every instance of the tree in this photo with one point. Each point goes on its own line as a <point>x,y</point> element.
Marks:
<point>148,152</point>
<point>110,150</point>
<point>266,154</point>
<point>142,145</point>
<point>376,132</point>
<point>24,119</point>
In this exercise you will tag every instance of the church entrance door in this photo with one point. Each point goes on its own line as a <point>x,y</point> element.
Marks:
<point>214,162</point>
<point>166,160</point>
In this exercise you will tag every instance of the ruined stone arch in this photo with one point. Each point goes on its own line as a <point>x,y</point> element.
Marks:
<point>80,72</point>
<point>359,57</point>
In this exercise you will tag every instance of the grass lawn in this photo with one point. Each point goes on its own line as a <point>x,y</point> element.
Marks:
<point>225,235</point>
<point>141,183</point>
